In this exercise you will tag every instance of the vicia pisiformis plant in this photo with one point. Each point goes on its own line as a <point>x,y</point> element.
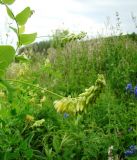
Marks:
<point>78,104</point>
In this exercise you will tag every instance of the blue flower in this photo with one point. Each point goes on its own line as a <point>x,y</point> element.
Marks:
<point>132,150</point>
<point>66,115</point>
<point>128,153</point>
<point>135,91</point>
<point>130,129</point>
<point>132,147</point>
<point>129,87</point>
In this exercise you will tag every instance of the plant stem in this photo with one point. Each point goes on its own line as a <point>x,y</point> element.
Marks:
<point>46,90</point>
<point>18,44</point>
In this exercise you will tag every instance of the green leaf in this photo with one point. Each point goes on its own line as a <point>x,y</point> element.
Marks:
<point>21,58</point>
<point>13,112</point>
<point>21,29</point>
<point>29,153</point>
<point>23,146</point>
<point>23,16</point>
<point>7,54</point>
<point>27,38</point>
<point>14,29</point>
<point>10,13</point>
<point>56,143</point>
<point>8,1</point>
<point>10,89</point>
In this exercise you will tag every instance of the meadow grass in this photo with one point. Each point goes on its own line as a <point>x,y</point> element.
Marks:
<point>67,71</point>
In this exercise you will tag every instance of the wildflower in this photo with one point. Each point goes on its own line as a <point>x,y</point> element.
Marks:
<point>135,91</point>
<point>129,87</point>
<point>43,99</point>
<point>132,150</point>
<point>29,118</point>
<point>78,104</point>
<point>128,153</point>
<point>66,115</point>
<point>66,104</point>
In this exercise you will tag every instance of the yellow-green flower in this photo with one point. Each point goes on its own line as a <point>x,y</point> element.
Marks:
<point>29,118</point>
<point>78,104</point>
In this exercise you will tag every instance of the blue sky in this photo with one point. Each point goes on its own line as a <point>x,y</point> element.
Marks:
<point>93,16</point>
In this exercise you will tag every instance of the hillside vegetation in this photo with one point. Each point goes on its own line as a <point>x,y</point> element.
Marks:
<point>30,126</point>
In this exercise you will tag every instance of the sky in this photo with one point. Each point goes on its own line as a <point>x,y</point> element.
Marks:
<point>96,17</point>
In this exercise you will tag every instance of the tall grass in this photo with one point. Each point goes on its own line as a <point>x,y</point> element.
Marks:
<point>111,121</point>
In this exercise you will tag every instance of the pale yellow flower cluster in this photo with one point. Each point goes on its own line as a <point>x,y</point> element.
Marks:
<point>2,94</point>
<point>74,105</point>
<point>17,70</point>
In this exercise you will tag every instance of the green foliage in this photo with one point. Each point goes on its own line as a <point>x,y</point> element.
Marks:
<point>21,58</point>
<point>27,38</point>
<point>78,104</point>
<point>8,2</point>
<point>133,36</point>
<point>62,37</point>
<point>10,13</point>
<point>7,54</point>
<point>36,49</point>
<point>23,16</point>
<point>72,37</point>
<point>30,127</point>
<point>57,35</point>
<point>13,29</point>
<point>118,61</point>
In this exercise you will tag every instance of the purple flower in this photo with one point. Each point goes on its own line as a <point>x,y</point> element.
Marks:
<point>66,115</point>
<point>129,87</point>
<point>132,147</point>
<point>132,150</point>
<point>135,91</point>
<point>128,153</point>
